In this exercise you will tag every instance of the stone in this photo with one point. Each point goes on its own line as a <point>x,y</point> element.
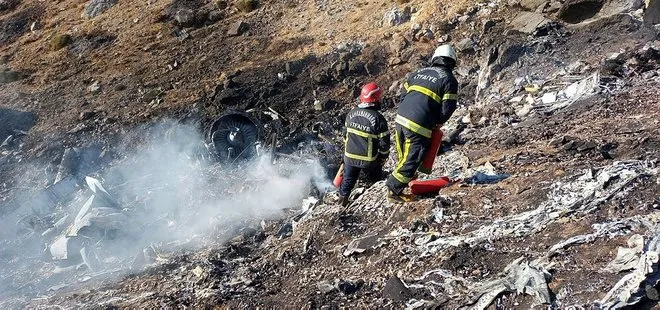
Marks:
<point>97,7</point>
<point>348,287</point>
<point>87,115</point>
<point>320,78</point>
<point>396,290</point>
<point>577,11</point>
<point>325,287</point>
<point>652,13</point>
<point>324,104</point>
<point>59,41</point>
<point>246,6</point>
<point>8,76</point>
<point>528,22</point>
<point>185,17</point>
<point>215,16</point>
<point>649,74</point>
<point>569,146</point>
<point>394,61</point>
<point>395,17</point>
<point>237,28</point>
<point>398,43</point>
<point>488,25</point>
<point>95,87</point>
<point>553,7</point>
<point>466,46</point>
<point>586,146</point>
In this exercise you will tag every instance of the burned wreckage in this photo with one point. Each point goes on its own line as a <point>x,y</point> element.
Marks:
<point>102,215</point>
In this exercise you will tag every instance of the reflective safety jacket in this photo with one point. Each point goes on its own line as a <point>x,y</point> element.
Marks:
<point>366,137</point>
<point>430,99</point>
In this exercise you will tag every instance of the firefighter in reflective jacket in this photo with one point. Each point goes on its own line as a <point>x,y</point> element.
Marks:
<point>367,141</point>
<point>430,100</point>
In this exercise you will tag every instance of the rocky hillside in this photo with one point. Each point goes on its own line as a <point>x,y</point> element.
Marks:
<point>554,152</point>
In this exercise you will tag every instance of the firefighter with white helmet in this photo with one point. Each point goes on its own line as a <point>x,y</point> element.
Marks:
<point>430,100</point>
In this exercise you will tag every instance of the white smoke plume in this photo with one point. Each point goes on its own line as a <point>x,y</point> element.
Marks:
<point>165,193</point>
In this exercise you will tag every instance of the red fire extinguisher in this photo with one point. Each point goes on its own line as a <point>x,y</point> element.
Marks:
<point>429,158</point>
<point>339,177</point>
<point>433,186</point>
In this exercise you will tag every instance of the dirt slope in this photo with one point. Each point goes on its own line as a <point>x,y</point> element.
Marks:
<point>513,118</point>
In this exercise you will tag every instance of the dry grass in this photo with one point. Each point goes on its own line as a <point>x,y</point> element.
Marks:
<point>246,6</point>
<point>59,41</point>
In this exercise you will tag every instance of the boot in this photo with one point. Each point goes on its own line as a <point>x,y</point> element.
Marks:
<point>394,198</point>
<point>343,201</point>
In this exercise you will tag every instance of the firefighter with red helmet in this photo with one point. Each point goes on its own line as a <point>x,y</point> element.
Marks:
<point>367,141</point>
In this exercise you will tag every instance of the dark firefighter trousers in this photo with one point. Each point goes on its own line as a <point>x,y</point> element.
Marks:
<point>410,149</point>
<point>374,172</point>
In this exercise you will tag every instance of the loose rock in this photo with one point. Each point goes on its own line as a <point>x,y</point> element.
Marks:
<point>652,13</point>
<point>528,22</point>
<point>395,17</point>
<point>97,7</point>
<point>237,28</point>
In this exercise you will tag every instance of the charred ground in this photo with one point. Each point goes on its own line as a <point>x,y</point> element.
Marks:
<point>192,60</point>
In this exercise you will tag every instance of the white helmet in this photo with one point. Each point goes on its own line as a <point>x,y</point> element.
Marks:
<point>445,50</point>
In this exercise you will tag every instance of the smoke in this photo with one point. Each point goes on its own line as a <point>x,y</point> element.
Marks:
<point>162,194</point>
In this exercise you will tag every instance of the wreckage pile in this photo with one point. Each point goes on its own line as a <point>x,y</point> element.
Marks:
<point>553,153</point>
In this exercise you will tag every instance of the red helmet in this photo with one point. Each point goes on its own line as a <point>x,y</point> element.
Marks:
<point>371,93</point>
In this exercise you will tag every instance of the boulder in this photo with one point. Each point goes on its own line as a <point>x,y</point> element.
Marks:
<point>652,13</point>
<point>531,5</point>
<point>577,11</point>
<point>97,7</point>
<point>395,17</point>
<point>8,76</point>
<point>237,28</point>
<point>528,22</point>
<point>466,46</point>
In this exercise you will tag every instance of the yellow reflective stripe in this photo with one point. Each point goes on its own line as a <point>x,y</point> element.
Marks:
<point>359,157</point>
<point>430,93</point>
<point>400,177</point>
<point>361,133</point>
<point>398,146</point>
<point>450,97</point>
<point>425,91</point>
<point>370,149</point>
<point>406,86</point>
<point>402,161</point>
<point>383,134</point>
<point>413,126</point>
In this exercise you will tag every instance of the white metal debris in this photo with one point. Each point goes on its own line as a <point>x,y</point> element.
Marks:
<point>521,277</point>
<point>627,257</point>
<point>629,290</point>
<point>581,195</point>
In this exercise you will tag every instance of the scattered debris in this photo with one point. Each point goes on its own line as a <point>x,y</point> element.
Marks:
<point>359,246</point>
<point>485,174</point>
